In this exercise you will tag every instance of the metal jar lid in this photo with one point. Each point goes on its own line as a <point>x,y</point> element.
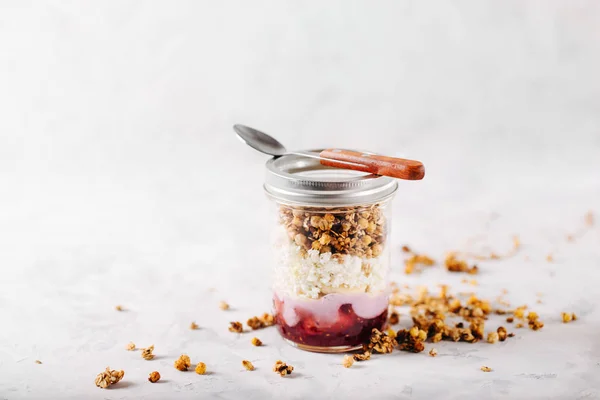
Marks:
<point>294,179</point>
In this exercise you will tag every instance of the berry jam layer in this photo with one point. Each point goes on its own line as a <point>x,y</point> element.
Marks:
<point>332,321</point>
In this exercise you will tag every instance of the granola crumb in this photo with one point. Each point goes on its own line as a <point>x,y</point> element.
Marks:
<point>37,361</point>
<point>200,368</point>
<point>406,249</point>
<point>549,258</point>
<point>486,369</point>
<point>510,320</point>
<point>433,352</point>
<point>282,368</point>
<point>519,325</point>
<point>108,377</point>
<point>248,365</point>
<point>348,361</point>
<point>493,337</point>
<point>256,341</point>
<point>147,353</point>
<point>568,317</point>
<point>394,318</point>
<point>119,308</point>
<point>589,218</point>
<point>154,376</point>
<point>223,306</point>
<point>363,356</point>
<point>236,326</point>
<point>502,335</point>
<point>511,335</point>
<point>194,326</point>
<point>183,362</point>
<point>130,346</point>
<point>415,260</point>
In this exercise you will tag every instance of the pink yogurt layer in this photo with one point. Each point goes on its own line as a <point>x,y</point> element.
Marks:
<point>326,308</point>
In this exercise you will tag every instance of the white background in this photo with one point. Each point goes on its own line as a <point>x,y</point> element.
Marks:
<point>121,182</point>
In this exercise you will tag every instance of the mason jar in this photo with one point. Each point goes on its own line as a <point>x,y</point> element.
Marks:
<point>331,257</point>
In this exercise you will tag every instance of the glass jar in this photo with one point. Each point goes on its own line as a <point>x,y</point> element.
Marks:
<point>330,252</point>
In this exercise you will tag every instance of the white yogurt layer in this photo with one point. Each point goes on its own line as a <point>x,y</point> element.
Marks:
<point>312,275</point>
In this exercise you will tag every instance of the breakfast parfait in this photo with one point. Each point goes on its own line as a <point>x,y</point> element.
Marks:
<point>331,269</point>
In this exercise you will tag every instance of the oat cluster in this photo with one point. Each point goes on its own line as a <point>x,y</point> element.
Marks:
<point>248,365</point>
<point>147,353</point>
<point>223,306</point>
<point>236,327</point>
<point>413,263</point>
<point>453,264</point>
<point>394,318</point>
<point>108,377</point>
<point>154,376</point>
<point>348,361</point>
<point>381,342</point>
<point>200,368</point>
<point>356,231</point>
<point>261,322</point>
<point>568,317</point>
<point>194,326</point>
<point>411,340</point>
<point>364,356</point>
<point>486,369</point>
<point>256,341</point>
<point>433,352</point>
<point>130,346</point>
<point>183,362</point>
<point>282,368</point>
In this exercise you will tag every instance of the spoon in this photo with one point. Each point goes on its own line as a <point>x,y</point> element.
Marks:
<point>348,159</point>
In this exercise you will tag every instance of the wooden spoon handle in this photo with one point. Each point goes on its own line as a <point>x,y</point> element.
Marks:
<point>373,163</point>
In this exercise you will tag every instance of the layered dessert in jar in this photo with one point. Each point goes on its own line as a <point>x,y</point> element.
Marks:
<point>330,275</point>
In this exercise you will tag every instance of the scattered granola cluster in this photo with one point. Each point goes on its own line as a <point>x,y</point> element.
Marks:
<point>154,376</point>
<point>486,369</point>
<point>147,353</point>
<point>256,341</point>
<point>415,260</point>
<point>200,368</point>
<point>568,317</point>
<point>394,318</point>
<point>248,365</point>
<point>348,361</point>
<point>455,265</point>
<point>130,346</point>
<point>183,362</point>
<point>119,308</point>
<point>433,352</point>
<point>236,327</point>
<point>108,377</point>
<point>364,356</point>
<point>350,230</point>
<point>412,339</point>
<point>381,342</point>
<point>223,306</point>
<point>429,313</point>
<point>194,326</point>
<point>261,322</point>
<point>282,368</point>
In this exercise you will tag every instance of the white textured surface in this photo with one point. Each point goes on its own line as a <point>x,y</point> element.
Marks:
<point>121,183</point>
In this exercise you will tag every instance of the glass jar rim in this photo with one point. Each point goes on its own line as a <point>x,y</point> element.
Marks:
<point>296,179</point>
